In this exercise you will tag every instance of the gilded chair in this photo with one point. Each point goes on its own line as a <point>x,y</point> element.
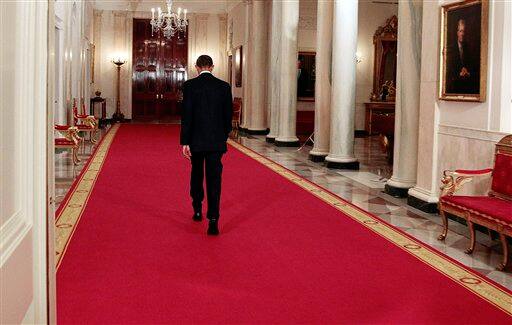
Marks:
<point>493,210</point>
<point>237,114</point>
<point>85,123</point>
<point>69,140</point>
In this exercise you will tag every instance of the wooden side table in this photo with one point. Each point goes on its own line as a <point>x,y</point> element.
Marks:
<point>377,108</point>
<point>99,109</point>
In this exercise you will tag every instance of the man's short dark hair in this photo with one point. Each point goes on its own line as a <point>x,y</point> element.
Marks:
<point>204,61</point>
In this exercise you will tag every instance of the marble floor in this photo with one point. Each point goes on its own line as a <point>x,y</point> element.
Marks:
<point>66,172</point>
<point>364,188</point>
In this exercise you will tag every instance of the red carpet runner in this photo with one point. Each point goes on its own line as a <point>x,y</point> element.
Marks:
<point>284,254</point>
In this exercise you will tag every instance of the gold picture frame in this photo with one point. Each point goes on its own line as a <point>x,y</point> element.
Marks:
<point>463,51</point>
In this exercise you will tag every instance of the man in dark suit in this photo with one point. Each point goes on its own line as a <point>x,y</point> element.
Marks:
<point>462,72</point>
<point>205,127</point>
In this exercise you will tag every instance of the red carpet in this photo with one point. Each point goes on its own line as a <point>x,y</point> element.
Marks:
<point>284,255</point>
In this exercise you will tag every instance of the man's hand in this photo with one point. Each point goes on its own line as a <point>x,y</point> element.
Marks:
<point>464,72</point>
<point>186,152</point>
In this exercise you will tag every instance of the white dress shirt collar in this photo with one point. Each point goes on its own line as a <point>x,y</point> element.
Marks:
<point>205,71</point>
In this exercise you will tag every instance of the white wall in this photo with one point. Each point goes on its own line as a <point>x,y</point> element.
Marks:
<point>237,20</point>
<point>113,33</point>
<point>73,20</point>
<point>23,137</point>
<point>462,134</point>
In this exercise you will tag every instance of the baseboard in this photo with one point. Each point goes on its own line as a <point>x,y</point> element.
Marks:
<point>257,132</point>
<point>353,165</point>
<point>287,143</point>
<point>110,121</point>
<point>270,140</point>
<point>316,158</point>
<point>399,192</point>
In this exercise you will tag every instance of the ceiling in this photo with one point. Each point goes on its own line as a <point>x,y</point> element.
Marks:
<point>201,6</point>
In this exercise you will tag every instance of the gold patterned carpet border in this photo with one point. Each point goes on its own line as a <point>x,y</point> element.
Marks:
<point>69,217</point>
<point>471,281</point>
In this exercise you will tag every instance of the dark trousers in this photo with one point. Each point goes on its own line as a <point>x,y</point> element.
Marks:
<point>209,162</point>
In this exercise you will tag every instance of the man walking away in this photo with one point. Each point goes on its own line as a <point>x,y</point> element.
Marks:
<point>205,127</point>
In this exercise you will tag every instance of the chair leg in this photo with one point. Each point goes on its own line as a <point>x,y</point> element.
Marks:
<point>75,156</point>
<point>504,245</point>
<point>93,136</point>
<point>472,238</point>
<point>445,225</point>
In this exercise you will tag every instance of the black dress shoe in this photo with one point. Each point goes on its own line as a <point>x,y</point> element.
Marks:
<point>213,228</point>
<point>197,216</point>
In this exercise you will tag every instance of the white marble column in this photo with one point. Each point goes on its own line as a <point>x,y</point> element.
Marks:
<point>274,74</point>
<point>343,94</point>
<point>256,123</point>
<point>323,81</point>
<point>246,67</point>
<point>288,82</point>
<point>407,98</point>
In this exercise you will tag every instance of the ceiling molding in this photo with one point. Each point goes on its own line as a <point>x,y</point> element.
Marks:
<point>193,6</point>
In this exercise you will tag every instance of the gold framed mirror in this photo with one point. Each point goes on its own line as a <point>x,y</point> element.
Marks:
<point>384,67</point>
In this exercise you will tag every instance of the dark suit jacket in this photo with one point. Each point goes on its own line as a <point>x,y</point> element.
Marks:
<point>454,64</point>
<point>206,114</point>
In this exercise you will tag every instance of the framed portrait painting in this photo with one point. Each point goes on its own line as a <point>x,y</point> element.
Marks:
<point>464,27</point>
<point>238,66</point>
<point>306,75</point>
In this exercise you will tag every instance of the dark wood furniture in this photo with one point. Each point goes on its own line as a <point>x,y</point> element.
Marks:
<point>99,109</point>
<point>159,71</point>
<point>374,120</point>
<point>305,124</point>
<point>380,111</point>
<point>494,210</point>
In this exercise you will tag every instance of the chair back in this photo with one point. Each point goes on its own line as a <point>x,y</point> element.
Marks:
<point>75,112</point>
<point>502,173</point>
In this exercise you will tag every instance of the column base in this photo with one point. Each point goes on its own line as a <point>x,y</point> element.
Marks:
<point>293,143</point>
<point>394,191</point>
<point>422,205</point>
<point>353,165</point>
<point>422,200</point>
<point>257,132</point>
<point>270,139</point>
<point>317,158</point>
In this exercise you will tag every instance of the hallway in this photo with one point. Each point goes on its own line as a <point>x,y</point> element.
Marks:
<point>132,241</point>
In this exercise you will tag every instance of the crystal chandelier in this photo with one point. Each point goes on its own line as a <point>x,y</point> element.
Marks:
<point>169,23</point>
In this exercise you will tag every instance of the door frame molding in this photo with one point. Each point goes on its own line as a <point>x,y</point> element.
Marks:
<point>51,295</point>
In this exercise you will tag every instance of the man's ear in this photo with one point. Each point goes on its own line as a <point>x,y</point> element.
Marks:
<point>211,68</point>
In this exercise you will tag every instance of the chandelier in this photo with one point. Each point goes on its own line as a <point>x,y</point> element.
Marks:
<point>169,23</point>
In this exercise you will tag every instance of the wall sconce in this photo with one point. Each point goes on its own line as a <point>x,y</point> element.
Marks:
<point>359,57</point>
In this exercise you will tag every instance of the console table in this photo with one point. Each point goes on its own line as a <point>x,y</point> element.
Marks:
<point>375,111</point>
